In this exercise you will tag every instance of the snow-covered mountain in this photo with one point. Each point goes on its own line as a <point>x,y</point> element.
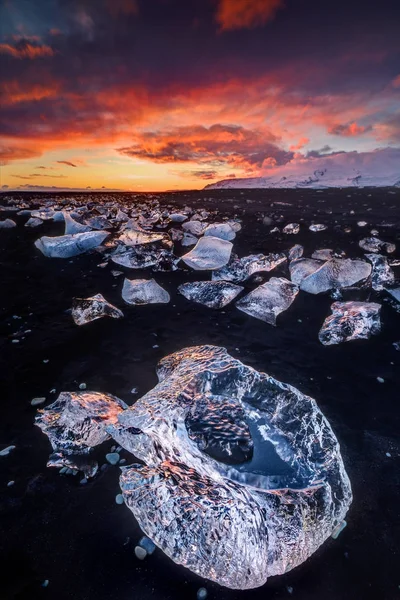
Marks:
<point>380,168</point>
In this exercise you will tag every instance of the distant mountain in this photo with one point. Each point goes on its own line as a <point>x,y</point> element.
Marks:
<point>379,168</point>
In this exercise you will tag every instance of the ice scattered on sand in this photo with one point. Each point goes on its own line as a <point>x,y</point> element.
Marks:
<point>85,310</point>
<point>382,273</point>
<point>214,294</point>
<point>67,246</point>
<point>210,253</point>
<point>334,274</point>
<point>350,321</point>
<point>240,269</point>
<point>267,301</point>
<point>7,224</point>
<point>291,228</point>
<point>236,524</point>
<point>144,291</point>
<point>373,244</point>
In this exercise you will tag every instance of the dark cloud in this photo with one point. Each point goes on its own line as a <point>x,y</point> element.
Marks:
<point>25,49</point>
<point>33,175</point>
<point>66,162</point>
<point>348,129</point>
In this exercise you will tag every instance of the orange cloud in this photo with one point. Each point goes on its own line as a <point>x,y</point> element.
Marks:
<point>124,7</point>
<point>348,130</point>
<point>11,153</point>
<point>396,82</point>
<point>24,49</point>
<point>13,92</point>
<point>300,144</point>
<point>238,14</point>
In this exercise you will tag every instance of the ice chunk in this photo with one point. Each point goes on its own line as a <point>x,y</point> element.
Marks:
<point>268,300</point>
<point>85,310</point>
<point>291,228</point>
<point>177,217</point>
<point>317,227</point>
<point>189,240</point>
<point>209,253</point>
<point>350,321</point>
<point>142,257</point>
<point>7,224</point>
<point>33,222</point>
<point>373,244</point>
<point>194,227</point>
<point>214,294</point>
<point>322,254</point>
<point>98,222</point>
<point>394,292</point>
<point>144,291</point>
<point>335,274</point>
<point>224,231</point>
<point>66,246</point>
<point>72,226</point>
<point>240,269</point>
<point>132,237</point>
<point>382,273</point>
<point>295,252</point>
<point>302,268</point>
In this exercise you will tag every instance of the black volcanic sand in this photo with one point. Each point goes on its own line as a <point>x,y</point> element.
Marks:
<point>76,536</point>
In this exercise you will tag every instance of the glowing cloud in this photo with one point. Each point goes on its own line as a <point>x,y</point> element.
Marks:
<point>238,14</point>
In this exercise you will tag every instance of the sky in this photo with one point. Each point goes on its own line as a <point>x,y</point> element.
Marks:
<point>154,95</point>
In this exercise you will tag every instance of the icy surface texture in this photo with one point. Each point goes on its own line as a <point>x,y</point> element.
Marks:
<point>194,227</point>
<point>394,292</point>
<point>209,253</point>
<point>132,237</point>
<point>350,321</point>
<point>224,231</point>
<point>268,300</point>
<point>33,222</point>
<point>317,227</point>
<point>382,273</point>
<point>85,310</point>
<point>72,226</point>
<point>335,274</point>
<point>189,240</point>
<point>143,257</point>
<point>214,294</point>
<point>7,224</point>
<point>291,228</point>
<point>240,269</point>
<point>373,244</point>
<point>144,291</point>
<point>295,252</point>
<point>66,246</point>
<point>303,267</point>
<point>243,477</point>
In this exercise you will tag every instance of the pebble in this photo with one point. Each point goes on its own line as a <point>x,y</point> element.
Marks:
<point>119,499</point>
<point>46,360</point>
<point>122,461</point>
<point>134,391</point>
<point>140,552</point>
<point>83,481</point>
<point>338,530</point>
<point>388,454</point>
<point>147,544</point>
<point>38,401</point>
<point>289,589</point>
<point>15,341</point>
<point>10,483</point>
<point>380,379</point>
<point>82,386</point>
<point>112,458</point>
<point>7,450</point>
<point>45,583</point>
<point>202,594</point>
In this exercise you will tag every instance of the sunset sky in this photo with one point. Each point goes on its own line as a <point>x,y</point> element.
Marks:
<point>174,94</point>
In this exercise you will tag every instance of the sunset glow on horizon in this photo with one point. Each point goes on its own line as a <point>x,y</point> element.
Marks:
<point>168,94</point>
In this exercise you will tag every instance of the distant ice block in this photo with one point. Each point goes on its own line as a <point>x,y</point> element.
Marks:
<point>335,274</point>
<point>241,476</point>
<point>214,294</point>
<point>85,310</point>
<point>268,300</point>
<point>66,246</point>
<point>209,253</point>
<point>144,291</point>
<point>240,269</point>
<point>382,273</point>
<point>350,321</point>
<point>373,244</point>
<point>7,224</point>
<point>224,231</point>
<point>291,228</point>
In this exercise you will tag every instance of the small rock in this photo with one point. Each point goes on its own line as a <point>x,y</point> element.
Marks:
<point>388,454</point>
<point>140,552</point>
<point>202,594</point>
<point>147,545</point>
<point>119,499</point>
<point>83,481</point>
<point>82,386</point>
<point>380,379</point>
<point>7,450</point>
<point>37,401</point>
<point>336,532</point>
<point>112,458</point>
<point>289,589</point>
<point>45,583</point>
<point>10,483</point>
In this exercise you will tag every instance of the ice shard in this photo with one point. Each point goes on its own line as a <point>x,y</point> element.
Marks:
<point>214,294</point>
<point>143,257</point>
<point>33,222</point>
<point>189,240</point>
<point>7,224</point>
<point>240,269</point>
<point>72,226</point>
<point>295,252</point>
<point>317,227</point>
<point>241,476</point>
<point>132,237</point>
<point>291,228</point>
<point>194,227</point>
<point>267,301</point>
<point>350,321</point>
<point>382,273</point>
<point>224,231</point>
<point>335,274</point>
<point>85,310</point>
<point>66,246</point>
<point>303,267</point>
<point>373,244</point>
<point>144,291</point>
<point>209,253</point>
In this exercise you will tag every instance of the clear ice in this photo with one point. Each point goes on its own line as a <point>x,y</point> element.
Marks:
<point>291,228</point>
<point>241,476</point>
<point>66,246</point>
<point>350,321</point>
<point>209,253</point>
<point>224,231</point>
<point>267,301</point>
<point>214,294</point>
<point>144,291</point>
<point>373,244</point>
<point>382,273</point>
<point>85,310</point>
<point>335,274</point>
<point>240,269</point>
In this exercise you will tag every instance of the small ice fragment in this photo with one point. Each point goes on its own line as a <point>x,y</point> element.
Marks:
<point>177,217</point>
<point>119,499</point>
<point>140,552</point>
<point>144,291</point>
<point>33,222</point>
<point>189,240</point>
<point>362,223</point>
<point>15,341</point>
<point>38,401</point>
<point>240,269</point>
<point>45,361</point>
<point>350,321</point>
<point>134,390</point>
<point>214,294</point>
<point>338,530</point>
<point>194,227</point>
<point>380,379</point>
<point>147,544</point>
<point>295,252</point>
<point>66,246</point>
<point>275,230</point>
<point>72,226</point>
<point>10,483</point>
<point>289,589</point>
<point>7,224</point>
<point>82,386</point>
<point>396,345</point>
<point>83,481</point>
<point>210,253</point>
<point>291,228</point>
<point>132,237</point>
<point>322,254</point>
<point>202,594</point>
<point>373,244</point>
<point>317,227</point>
<point>112,458</point>
<point>45,583</point>
<point>85,310</point>
<point>382,273</point>
<point>223,231</point>
<point>388,455</point>
<point>6,451</point>
<point>267,301</point>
